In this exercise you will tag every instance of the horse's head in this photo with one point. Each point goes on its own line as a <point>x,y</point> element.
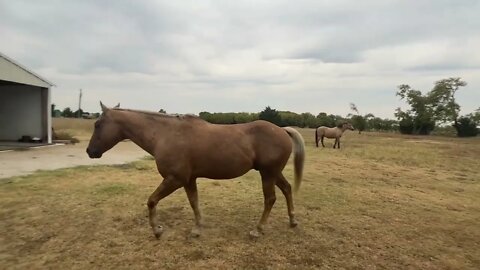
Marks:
<point>349,126</point>
<point>107,134</point>
<point>345,126</point>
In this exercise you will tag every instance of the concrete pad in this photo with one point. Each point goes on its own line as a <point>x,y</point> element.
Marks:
<point>27,161</point>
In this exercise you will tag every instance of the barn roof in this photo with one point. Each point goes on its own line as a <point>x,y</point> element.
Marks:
<point>10,70</point>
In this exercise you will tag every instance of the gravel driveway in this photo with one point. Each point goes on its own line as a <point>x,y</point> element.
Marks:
<point>14,163</point>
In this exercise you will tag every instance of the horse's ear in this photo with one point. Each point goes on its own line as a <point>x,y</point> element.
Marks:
<point>104,108</point>
<point>118,105</point>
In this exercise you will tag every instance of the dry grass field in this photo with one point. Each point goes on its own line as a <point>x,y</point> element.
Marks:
<point>383,201</point>
<point>80,128</point>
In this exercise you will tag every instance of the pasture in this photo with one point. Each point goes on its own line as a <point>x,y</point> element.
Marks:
<point>382,201</point>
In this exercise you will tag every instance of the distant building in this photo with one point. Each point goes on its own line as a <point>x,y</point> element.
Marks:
<point>25,103</point>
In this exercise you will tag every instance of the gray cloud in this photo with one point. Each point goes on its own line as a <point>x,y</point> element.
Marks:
<point>241,55</point>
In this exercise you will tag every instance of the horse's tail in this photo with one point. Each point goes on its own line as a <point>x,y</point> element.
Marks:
<point>316,137</point>
<point>299,155</point>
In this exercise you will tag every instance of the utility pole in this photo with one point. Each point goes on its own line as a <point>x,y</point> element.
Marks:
<point>80,104</point>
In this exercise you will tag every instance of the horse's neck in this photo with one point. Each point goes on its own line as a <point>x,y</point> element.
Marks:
<point>140,131</point>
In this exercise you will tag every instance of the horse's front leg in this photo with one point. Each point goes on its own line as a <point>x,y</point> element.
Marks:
<point>335,144</point>
<point>168,185</point>
<point>192,194</point>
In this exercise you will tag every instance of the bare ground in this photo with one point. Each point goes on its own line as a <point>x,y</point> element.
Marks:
<point>27,161</point>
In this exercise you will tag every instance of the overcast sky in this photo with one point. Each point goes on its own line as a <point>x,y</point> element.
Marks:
<point>221,56</point>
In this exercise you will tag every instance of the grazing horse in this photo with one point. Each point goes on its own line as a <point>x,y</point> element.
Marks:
<point>185,147</point>
<point>331,133</point>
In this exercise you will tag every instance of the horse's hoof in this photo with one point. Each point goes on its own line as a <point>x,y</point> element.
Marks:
<point>157,231</point>
<point>255,234</point>
<point>293,223</point>
<point>195,232</point>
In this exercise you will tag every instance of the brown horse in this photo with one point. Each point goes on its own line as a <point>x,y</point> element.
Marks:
<point>187,147</point>
<point>331,133</point>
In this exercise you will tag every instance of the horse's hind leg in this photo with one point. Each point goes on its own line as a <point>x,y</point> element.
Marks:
<point>286,189</point>
<point>192,194</point>
<point>268,185</point>
<point>168,186</point>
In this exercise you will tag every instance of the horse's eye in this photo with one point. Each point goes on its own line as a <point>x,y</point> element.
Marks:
<point>97,124</point>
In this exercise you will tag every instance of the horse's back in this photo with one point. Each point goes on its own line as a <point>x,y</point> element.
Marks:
<point>327,132</point>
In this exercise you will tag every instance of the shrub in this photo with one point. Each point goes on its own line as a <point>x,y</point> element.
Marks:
<point>466,127</point>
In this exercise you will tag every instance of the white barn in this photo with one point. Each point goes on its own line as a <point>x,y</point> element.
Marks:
<point>25,106</point>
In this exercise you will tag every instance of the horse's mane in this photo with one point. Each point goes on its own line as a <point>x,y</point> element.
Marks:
<point>159,114</point>
<point>341,124</point>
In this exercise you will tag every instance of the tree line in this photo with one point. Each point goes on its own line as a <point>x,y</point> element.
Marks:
<point>303,120</point>
<point>434,110</point>
<point>68,113</point>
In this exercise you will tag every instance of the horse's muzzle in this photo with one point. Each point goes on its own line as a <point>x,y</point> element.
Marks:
<point>93,153</point>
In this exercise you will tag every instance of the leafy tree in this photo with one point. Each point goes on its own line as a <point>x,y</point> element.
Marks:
<point>466,126</point>
<point>67,112</point>
<point>326,120</point>
<point>358,121</point>
<point>309,120</point>
<point>476,115</point>
<point>55,112</point>
<point>291,119</point>
<point>271,115</point>
<point>245,117</point>
<point>78,113</point>
<point>205,116</point>
<point>379,124</point>
<point>420,118</point>
<point>368,118</point>
<point>162,111</point>
<point>228,118</point>
<point>438,105</point>
<point>442,99</point>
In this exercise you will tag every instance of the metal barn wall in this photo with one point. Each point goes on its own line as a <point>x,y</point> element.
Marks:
<point>22,113</point>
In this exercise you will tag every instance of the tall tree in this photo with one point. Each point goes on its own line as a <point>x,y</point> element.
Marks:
<point>438,105</point>
<point>271,115</point>
<point>442,99</point>
<point>67,112</point>
<point>419,119</point>
<point>358,121</point>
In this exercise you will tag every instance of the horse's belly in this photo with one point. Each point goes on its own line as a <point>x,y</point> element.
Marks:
<point>223,169</point>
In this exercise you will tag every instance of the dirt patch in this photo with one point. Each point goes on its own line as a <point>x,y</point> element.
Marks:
<point>29,160</point>
<point>427,141</point>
